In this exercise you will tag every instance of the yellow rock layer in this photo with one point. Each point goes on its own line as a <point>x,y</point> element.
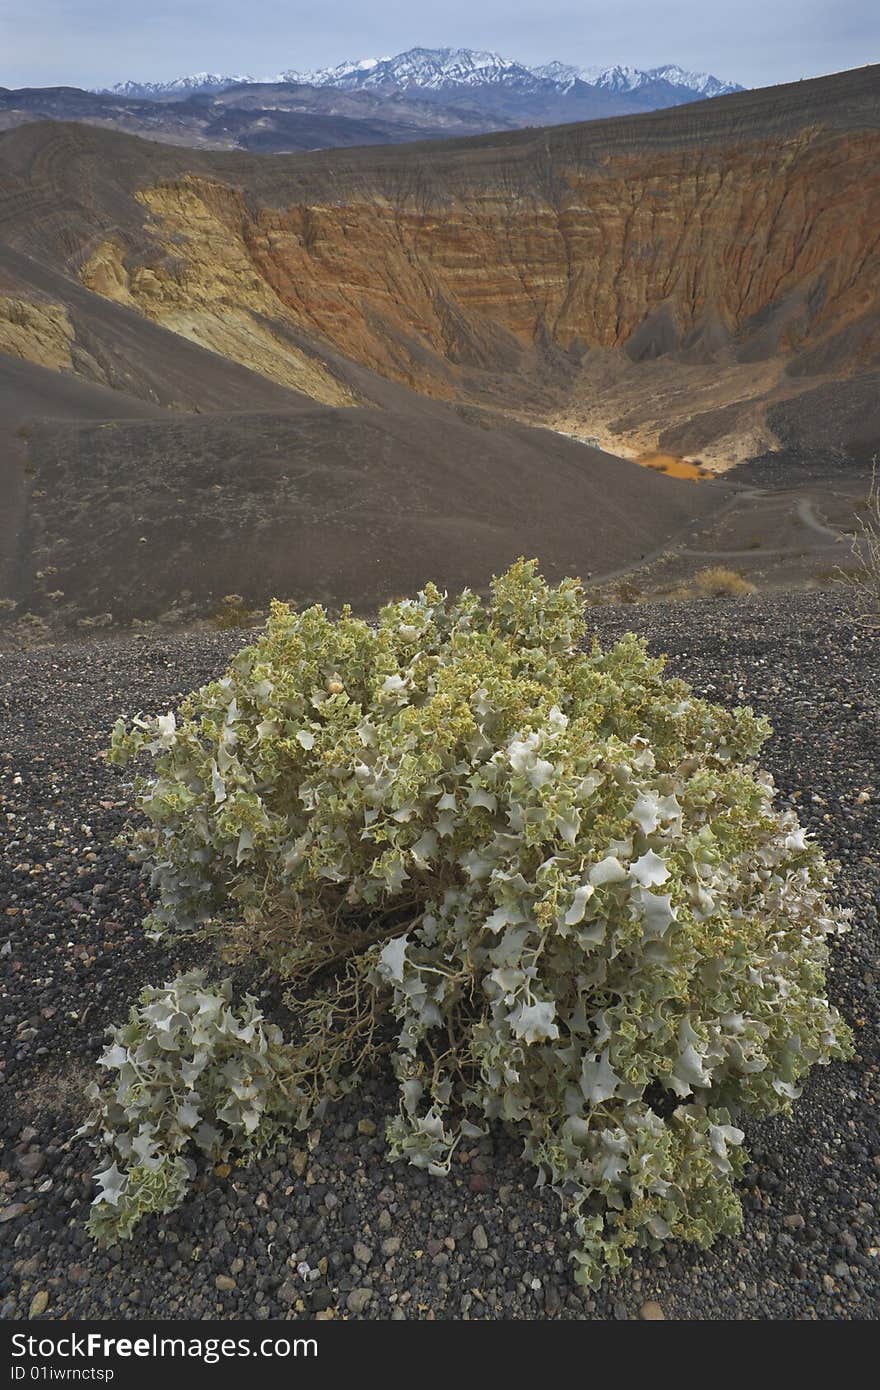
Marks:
<point>204,288</point>
<point>36,330</point>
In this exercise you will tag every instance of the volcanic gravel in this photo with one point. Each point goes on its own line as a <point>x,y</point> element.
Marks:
<point>795,467</point>
<point>326,1227</point>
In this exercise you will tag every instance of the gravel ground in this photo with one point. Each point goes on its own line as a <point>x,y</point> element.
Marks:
<point>796,467</point>
<point>326,1227</point>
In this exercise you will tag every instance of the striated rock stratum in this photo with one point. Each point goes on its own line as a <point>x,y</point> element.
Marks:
<point>738,235</point>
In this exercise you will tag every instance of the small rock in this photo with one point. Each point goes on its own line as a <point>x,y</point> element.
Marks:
<point>652,1312</point>
<point>358,1299</point>
<point>30,1165</point>
<point>794,1222</point>
<point>362,1253</point>
<point>225,1283</point>
<point>367,1127</point>
<point>39,1304</point>
<point>11,1212</point>
<point>480,1239</point>
<point>391,1245</point>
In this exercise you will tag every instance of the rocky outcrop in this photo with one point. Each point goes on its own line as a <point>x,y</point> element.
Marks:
<point>36,330</point>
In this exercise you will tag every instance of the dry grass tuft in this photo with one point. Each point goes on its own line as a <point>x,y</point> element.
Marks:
<point>866,544</point>
<point>232,613</point>
<point>61,1092</point>
<point>718,582</point>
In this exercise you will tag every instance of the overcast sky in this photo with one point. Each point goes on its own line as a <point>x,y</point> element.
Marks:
<point>756,42</point>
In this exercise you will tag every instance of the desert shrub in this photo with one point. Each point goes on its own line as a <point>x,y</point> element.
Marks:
<point>96,620</point>
<point>188,1075</point>
<point>627,591</point>
<point>558,874</point>
<point>232,612</point>
<point>718,582</point>
<point>30,630</point>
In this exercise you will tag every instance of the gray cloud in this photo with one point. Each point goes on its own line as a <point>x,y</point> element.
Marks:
<point>756,42</point>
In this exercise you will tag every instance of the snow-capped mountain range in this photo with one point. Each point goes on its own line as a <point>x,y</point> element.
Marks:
<point>195,83</point>
<point>627,79</point>
<point>447,70</point>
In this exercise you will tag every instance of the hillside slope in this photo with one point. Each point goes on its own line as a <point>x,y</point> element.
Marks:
<point>152,510</point>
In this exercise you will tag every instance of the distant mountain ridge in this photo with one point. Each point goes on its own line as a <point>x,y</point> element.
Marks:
<point>422,94</point>
<point>447,70</point>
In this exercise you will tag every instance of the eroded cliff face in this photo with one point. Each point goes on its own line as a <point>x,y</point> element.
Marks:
<point>737,249</point>
<point>203,286</point>
<point>757,254</point>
